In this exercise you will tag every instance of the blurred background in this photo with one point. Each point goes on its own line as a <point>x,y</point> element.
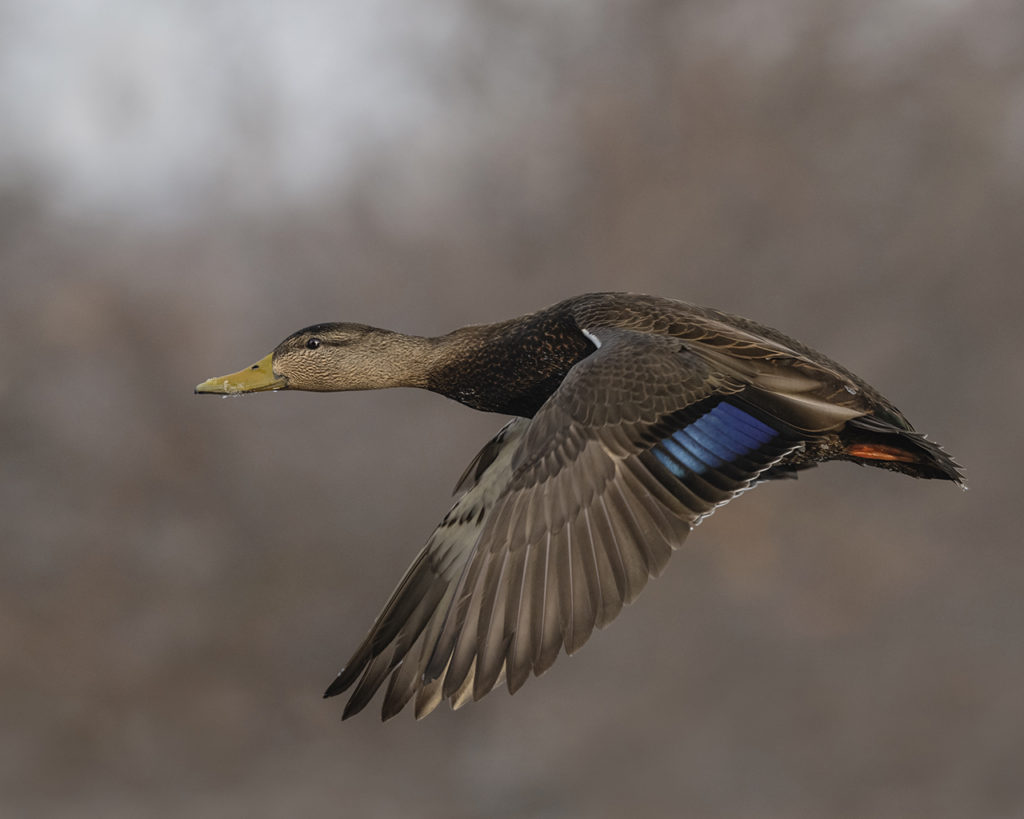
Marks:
<point>182,184</point>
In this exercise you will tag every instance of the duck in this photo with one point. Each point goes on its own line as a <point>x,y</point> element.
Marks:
<point>633,417</point>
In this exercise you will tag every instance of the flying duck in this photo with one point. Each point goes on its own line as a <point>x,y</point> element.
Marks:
<point>634,417</point>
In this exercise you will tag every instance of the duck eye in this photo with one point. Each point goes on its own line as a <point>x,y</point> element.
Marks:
<point>312,343</point>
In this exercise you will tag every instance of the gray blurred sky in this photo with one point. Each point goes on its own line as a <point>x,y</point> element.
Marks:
<point>154,111</point>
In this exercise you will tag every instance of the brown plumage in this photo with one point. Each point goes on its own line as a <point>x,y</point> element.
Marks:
<point>636,416</point>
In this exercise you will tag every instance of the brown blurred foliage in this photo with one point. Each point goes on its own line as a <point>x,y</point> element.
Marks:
<point>182,576</point>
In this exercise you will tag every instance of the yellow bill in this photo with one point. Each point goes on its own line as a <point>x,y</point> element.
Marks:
<point>257,378</point>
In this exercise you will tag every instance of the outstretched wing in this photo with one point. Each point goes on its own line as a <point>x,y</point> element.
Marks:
<point>566,516</point>
<point>402,639</point>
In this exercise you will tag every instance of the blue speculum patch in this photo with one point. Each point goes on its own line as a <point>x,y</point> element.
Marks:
<point>719,436</point>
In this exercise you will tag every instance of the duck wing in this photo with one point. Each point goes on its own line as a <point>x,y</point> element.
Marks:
<point>565,516</point>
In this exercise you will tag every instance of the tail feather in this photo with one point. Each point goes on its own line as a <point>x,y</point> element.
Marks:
<point>872,441</point>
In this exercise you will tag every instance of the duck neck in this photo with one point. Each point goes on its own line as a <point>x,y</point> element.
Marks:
<point>511,367</point>
<point>407,362</point>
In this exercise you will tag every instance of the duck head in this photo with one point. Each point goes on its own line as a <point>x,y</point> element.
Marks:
<point>330,358</point>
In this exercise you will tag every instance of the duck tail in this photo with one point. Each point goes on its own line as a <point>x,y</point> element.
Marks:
<point>871,441</point>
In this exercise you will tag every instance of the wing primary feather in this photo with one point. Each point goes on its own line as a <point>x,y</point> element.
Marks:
<point>609,575</point>
<point>464,692</point>
<point>492,641</point>
<point>409,675</point>
<point>650,543</point>
<point>454,620</point>
<point>464,650</point>
<point>527,638</point>
<point>367,686</point>
<point>387,626</point>
<point>517,625</point>
<point>633,559</point>
<point>644,492</point>
<point>582,613</point>
<point>604,540</point>
<point>428,697</point>
<point>587,568</point>
<point>401,687</point>
<point>551,623</point>
<point>563,560</point>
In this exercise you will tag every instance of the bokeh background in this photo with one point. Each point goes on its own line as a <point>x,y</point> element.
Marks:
<point>182,184</point>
